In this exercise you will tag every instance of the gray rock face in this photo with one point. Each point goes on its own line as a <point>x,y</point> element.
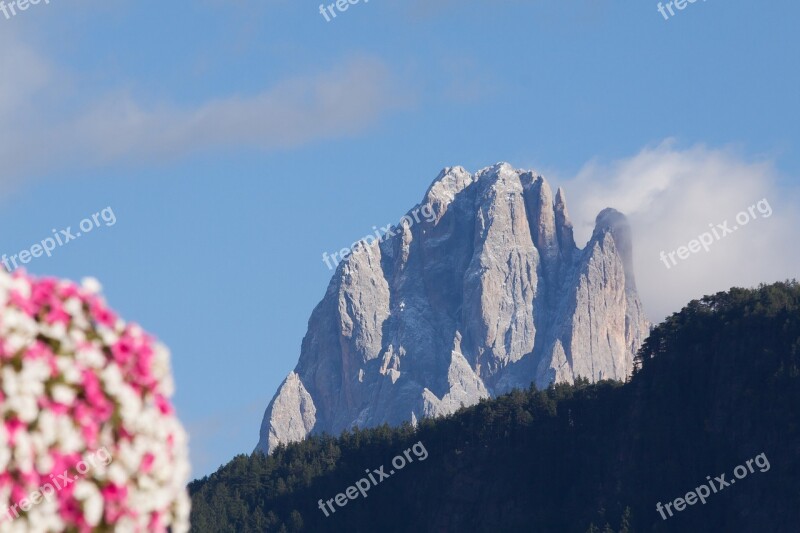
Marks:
<point>488,294</point>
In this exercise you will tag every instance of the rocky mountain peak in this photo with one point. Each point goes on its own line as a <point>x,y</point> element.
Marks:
<point>450,182</point>
<point>490,295</point>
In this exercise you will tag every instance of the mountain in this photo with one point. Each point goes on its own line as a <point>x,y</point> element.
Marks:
<point>715,396</point>
<point>484,294</point>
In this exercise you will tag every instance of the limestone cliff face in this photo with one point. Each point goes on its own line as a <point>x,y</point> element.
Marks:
<point>488,294</point>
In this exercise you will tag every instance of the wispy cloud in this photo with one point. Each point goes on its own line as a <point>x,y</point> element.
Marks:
<point>48,128</point>
<point>340,102</point>
<point>671,195</point>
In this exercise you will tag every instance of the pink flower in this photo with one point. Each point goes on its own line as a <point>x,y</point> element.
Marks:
<point>39,350</point>
<point>123,350</point>
<point>12,426</point>
<point>147,462</point>
<point>95,382</point>
<point>57,314</point>
<point>67,290</point>
<point>102,314</point>
<point>114,496</point>
<point>24,304</point>
<point>163,405</point>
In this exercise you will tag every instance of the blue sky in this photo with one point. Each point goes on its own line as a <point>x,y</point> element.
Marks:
<point>238,141</point>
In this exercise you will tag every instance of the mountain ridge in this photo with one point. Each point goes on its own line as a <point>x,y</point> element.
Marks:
<point>489,295</point>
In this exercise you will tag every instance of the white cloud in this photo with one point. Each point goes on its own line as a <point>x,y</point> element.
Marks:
<point>337,103</point>
<point>50,121</point>
<point>670,196</point>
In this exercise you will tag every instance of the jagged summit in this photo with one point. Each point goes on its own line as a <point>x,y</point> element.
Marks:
<point>612,221</point>
<point>449,182</point>
<point>453,180</point>
<point>489,294</point>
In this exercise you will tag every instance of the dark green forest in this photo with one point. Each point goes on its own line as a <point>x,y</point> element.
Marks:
<point>715,385</point>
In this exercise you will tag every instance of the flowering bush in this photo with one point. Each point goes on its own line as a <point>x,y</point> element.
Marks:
<point>88,437</point>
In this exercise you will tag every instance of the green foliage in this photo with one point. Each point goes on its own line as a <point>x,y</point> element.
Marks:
<point>716,384</point>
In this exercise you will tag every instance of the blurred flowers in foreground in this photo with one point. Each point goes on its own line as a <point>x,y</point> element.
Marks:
<point>88,437</point>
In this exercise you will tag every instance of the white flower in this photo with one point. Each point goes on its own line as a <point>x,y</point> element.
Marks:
<point>126,525</point>
<point>56,331</point>
<point>117,474</point>
<point>48,517</point>
<point>128,457</point>
<point>108,336</point>
<point>47,425</point>
<point>5,452</point>
<point>15,342</point>
<point>44,461</point>
<point>23,454</point>
<point>87,493</point>
<point>91,285</point>
<point>12,318</point>
<point>69,439</point>
<point>90,356</point>
<point>33,375</point>
<point>10,382</point>
<point>80,322</point>
<point>63,394</point>
<point>22,286</point>
<point>73,306</point>
<point>25,407</point>
<point>69,371</point>
<point>182,511</point>
<point>130,406</point>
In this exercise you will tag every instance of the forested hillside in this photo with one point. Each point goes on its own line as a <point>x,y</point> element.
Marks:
<point>716,385</point>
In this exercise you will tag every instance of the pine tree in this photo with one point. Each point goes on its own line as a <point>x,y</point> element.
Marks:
<point>625,523</point>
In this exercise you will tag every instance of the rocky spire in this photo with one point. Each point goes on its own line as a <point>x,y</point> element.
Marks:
<point>612,221</point>
<point>566,239</point>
